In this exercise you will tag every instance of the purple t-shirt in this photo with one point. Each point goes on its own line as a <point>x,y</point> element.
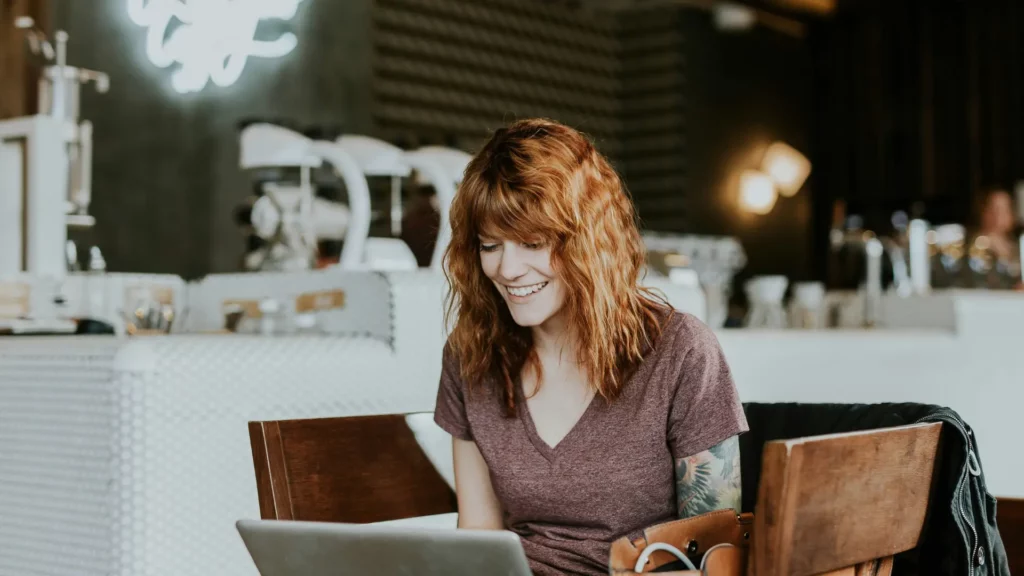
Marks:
<point>613,473</point>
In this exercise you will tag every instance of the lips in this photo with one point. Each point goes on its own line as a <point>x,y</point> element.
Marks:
<point>524,291</point>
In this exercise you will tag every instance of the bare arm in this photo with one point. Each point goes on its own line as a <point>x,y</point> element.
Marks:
<point>478,506</point>
<point>710,480</point>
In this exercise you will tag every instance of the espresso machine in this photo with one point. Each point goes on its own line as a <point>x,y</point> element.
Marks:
<point>290,219</point>
<point>46,164</point>
<point>45,188</point>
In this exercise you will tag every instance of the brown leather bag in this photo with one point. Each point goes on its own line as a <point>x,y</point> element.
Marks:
<point>717,543</point>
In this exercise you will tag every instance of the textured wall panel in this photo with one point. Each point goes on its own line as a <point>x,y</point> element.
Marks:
<point>554,24</point>
<point>653,115</point>
<point>457,69</point>
<point>454,70</point>
<point>412,68</point>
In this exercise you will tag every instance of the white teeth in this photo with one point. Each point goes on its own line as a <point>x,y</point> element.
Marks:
<point>525,290</point>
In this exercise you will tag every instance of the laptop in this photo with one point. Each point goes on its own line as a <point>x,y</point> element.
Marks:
<point>291,548</point>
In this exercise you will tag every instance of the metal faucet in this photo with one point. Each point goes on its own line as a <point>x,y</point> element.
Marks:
<point>904,254</point>
<point>900,271</point>
<point>919,256</point>
<point>864,240</point>
<point>909,268</point>
<point>874,250</point>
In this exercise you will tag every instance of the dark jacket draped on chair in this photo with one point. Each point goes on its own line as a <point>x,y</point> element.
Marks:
<point>960,537</point>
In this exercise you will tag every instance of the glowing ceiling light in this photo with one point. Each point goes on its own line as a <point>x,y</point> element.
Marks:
<point>787,167</point>
<point>757,192</point>
<point>209,39</point>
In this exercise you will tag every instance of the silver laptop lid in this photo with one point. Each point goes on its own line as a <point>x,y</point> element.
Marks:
<point>289,548</point>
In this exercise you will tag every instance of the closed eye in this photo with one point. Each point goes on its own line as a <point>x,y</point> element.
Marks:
<point>488,247</point>
<point>533,245</point>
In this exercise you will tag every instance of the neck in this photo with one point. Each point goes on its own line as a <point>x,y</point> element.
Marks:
<point>552,338</point>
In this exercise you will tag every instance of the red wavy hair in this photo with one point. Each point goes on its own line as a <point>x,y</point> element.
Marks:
<point>538,180</point>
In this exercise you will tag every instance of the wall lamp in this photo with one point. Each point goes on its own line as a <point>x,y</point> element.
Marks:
<point>783,171</point>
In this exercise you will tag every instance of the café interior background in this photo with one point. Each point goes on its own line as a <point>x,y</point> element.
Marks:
<point>134,372</point>
<point>909,105</point>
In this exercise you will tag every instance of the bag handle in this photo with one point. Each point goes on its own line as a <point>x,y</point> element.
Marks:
<point>646,555</point>
<point>651,549</point>
<point>704,559</point>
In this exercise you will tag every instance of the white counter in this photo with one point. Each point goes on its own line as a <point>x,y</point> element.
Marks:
<point>131,457</point>
<point>970,357</point>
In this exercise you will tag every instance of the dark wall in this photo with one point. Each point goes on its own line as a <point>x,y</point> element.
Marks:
<point>654,116</point>
<point>456,70</point>
<point>695,105</point>
<point>324,83</point>
<point>920,107</point>
<point>744,91</point>
<point>166,176</point>
<point>151,179</point>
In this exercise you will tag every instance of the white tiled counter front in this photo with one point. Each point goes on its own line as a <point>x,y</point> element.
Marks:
<point>132,457</point>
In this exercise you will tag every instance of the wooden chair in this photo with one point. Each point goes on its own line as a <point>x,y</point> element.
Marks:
<point>354,470</point>
<point>843,504</point>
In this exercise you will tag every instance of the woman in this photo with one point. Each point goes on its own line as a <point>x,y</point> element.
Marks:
<point>997,224</point>
<point>582,407</point>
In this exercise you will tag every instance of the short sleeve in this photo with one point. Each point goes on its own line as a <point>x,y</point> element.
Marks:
<point>450,410</point>
<point>706,406</point>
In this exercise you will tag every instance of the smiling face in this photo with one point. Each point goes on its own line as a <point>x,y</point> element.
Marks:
<point>525,277</point>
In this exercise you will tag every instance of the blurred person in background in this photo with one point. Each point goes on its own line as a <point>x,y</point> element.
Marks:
<point>420,224</point>
<point>582,407</point>
<point>998,236</point>
<point>421,218</point>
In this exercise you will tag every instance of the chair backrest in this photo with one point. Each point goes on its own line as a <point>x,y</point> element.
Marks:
<point>830,503</point>
<point>354,469</point>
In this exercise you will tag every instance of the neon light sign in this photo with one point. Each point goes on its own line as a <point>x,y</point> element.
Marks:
<point>210,39</point>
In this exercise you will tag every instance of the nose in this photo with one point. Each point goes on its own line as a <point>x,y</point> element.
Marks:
<point>512,264</point>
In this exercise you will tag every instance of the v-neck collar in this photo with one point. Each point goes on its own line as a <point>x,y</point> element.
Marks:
<point>547,451</point>
<point>550,453</point>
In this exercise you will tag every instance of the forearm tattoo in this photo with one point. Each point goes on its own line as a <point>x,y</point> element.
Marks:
<point>710,480</point>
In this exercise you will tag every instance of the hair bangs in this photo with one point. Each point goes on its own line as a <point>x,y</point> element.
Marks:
<point>502,212</point>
